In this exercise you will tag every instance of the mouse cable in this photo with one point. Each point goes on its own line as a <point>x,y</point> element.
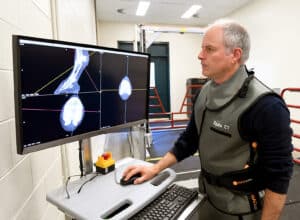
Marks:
<point>89,180</point>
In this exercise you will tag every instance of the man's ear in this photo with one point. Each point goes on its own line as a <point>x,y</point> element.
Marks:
<point>237,55</point>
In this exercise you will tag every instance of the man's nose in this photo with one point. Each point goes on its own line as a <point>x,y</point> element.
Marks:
<point>200,55</point>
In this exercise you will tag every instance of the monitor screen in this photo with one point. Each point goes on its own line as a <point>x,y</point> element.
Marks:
<point>67,91</point>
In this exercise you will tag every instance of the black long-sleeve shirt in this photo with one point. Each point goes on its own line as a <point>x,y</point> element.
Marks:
<point>268,122</point>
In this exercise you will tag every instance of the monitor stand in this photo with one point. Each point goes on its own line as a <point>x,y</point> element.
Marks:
<point>86,163</point>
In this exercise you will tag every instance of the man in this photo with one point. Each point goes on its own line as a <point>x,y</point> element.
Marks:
<point>242,131</point>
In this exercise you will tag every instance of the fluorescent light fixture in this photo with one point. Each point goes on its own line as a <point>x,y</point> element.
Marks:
<point>142,8</point>
<point>191,11</point>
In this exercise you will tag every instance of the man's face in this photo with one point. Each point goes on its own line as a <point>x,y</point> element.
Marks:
<point>216,61</point>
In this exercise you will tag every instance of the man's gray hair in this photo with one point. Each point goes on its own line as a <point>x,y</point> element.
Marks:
<point>235,35</point>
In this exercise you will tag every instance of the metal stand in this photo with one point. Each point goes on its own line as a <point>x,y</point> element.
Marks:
<point>86,152</point>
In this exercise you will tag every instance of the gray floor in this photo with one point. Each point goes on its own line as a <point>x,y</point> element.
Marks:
<point>163,141</point>
<point>188,169</point>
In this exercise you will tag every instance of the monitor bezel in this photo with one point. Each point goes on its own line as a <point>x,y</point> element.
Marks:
<point>18,102</point>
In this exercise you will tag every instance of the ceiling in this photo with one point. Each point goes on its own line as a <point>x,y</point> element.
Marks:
<point>166,11</point>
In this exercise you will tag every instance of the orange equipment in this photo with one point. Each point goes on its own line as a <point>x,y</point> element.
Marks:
<point>105,163</point>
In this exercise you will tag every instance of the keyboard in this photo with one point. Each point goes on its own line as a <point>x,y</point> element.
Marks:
<point>169,205</point>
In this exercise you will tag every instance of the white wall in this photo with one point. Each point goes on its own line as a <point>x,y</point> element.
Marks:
<point>274,29</point>
<point>24,180</point>
<point>76,21</point>
<point>184,49</point>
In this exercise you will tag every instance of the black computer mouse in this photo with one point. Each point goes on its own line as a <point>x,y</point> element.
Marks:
<point>130,180</point>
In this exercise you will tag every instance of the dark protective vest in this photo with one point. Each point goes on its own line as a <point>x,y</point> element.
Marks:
<point>221,148</point>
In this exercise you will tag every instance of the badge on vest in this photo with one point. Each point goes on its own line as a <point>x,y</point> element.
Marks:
<point>221,128</point>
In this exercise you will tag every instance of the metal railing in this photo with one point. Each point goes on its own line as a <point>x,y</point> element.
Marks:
<point>293,120</point>
<point>169,120</point>
<point>173,120</point>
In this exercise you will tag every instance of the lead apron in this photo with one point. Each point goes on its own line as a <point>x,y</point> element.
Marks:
<point>221,148</point>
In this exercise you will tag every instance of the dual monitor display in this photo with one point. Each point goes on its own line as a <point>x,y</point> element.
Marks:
<point>65,91</point>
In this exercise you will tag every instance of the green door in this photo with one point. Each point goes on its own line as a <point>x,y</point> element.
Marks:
<point>160,57</point>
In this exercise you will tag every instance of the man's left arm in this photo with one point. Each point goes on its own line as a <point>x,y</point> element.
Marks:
<point>275,156</point>
<point>273,205</point>
<point>269,123</point>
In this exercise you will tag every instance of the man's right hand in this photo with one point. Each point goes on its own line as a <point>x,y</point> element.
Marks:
<point>147,172</point>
